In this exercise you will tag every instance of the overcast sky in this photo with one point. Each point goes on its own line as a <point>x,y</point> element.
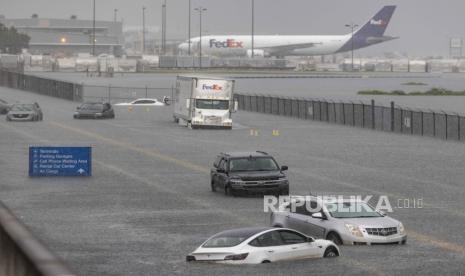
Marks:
<point>424,26</point>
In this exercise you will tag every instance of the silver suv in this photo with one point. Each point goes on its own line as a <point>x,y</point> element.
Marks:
<point>342,221</point>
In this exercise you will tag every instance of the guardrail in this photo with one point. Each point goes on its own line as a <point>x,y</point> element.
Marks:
<point>23,255</point>
<point>392,119</point>
<point>48,87</point>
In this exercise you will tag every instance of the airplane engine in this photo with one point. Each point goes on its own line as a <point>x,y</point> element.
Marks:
<point>256,53</point>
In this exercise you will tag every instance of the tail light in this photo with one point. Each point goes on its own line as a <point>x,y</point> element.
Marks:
<point>237,257</point>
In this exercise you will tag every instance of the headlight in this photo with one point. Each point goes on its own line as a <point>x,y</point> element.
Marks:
<point>76,113</point>
<point>236,180</point>
<point>401,228</point>
<point>354,230</point>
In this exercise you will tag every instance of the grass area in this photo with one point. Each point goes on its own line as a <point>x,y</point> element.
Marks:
<point>414,83</point>
<point>431,92</point>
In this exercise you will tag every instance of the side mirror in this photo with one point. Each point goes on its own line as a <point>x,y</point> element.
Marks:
<point>236,106</point>
<point>220,170</point>
<point>284,168</point>
<point>310,239</point>
<point>318,215</point>
<point>188,103</point>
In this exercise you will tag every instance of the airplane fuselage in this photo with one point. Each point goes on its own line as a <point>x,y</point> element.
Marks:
<point>238,45</point>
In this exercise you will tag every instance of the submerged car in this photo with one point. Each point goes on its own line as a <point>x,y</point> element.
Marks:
<point>261,245</point>
<point>4,107</point>
<point>248,172</point>
<point>142,102</point>
<point>94,110</point>
<point>25,112</point>
<point>343,221</point>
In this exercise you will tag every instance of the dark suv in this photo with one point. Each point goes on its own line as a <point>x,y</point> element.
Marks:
<point>251,172</point>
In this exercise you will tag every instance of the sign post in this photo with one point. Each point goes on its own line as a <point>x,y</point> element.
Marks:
<point>60,161</point>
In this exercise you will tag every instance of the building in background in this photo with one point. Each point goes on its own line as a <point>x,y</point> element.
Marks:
<point>68,37</point>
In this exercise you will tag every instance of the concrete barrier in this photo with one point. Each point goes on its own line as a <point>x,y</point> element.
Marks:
<point>23,255</point>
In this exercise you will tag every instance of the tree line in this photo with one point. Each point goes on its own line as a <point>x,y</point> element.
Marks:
<point>12,42</point>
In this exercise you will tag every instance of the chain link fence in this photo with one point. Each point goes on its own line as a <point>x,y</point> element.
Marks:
<point>116,94</point>
<point>48,87</point>
<point>364,115</point>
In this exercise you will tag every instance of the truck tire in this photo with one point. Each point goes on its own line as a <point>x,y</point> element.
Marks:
<point>228,191</point>
<point>212,184</point>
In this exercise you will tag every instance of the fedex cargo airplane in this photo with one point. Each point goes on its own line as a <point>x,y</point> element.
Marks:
<point>294,45</point>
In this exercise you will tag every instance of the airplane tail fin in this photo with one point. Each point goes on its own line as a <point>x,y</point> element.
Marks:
<point>377,25</point>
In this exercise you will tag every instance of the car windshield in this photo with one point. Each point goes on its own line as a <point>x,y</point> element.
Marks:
<point>92,106</point>
<point>212,104</point>
<point>229,238</point>
<point>253,164</point>
<point>22,107</point>
<point>351,210</point>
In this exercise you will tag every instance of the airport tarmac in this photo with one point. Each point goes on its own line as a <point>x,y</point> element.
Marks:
<point>329,86</point>
<point>149,203</point>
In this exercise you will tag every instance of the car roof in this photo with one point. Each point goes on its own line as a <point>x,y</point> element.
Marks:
<point>145,99</point>
<point>243,232</point>
<point>245,154</point>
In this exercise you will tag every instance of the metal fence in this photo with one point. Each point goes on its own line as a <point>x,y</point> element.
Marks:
<point>22,254</point>
<point>392,119</point>
<point>48,87</point>
<point>116,94</point>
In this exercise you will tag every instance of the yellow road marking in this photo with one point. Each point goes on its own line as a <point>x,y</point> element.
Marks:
<point>448,246</point>
<point>148,152</point>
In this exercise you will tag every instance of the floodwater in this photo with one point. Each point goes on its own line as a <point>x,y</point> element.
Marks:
<point>336,88</point>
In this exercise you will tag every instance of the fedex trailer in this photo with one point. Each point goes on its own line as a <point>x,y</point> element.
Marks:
<point>204,102</point>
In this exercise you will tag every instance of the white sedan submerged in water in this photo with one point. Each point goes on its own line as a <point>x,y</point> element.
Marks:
<point>261,245</point>
<point>145,102</point>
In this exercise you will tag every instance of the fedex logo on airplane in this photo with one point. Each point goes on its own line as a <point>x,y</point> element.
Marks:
<point>228,43</point>
<point>379,22</point>
<point>214,87</point>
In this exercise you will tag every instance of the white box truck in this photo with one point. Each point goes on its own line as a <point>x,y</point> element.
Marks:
<point>204,102</point>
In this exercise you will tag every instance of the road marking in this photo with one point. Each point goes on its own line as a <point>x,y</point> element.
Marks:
<point>448,246</point>
<point>151,153</point>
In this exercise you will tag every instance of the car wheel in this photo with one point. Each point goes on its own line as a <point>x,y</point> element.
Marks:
<point>334,237</point>
<point>228,191</point>
<point>212,184</point>
<point>330,252</point>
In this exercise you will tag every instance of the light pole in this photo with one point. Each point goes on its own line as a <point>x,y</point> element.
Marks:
<point>189,31</point>
<point>93,31</point>
<point>352,26</point>
<point>200,10</point>
<point>143,29</point>
<point>163,27</point>
<point>253,21</point>
<point>114,16</point>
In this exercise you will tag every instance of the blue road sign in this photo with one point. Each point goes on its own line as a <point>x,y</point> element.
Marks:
<point>60,161</point>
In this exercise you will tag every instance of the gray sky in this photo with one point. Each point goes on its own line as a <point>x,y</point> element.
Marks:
<point>425,26</point>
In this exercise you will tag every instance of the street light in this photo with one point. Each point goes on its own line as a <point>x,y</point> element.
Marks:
<point>189,31</point>
<point>163,27</point>
<point>200,10</point>
<point>115,12</point>
<point>352,26</point>
<point>93,32</point>
<point>253,21</point>
<point>143,29</point>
